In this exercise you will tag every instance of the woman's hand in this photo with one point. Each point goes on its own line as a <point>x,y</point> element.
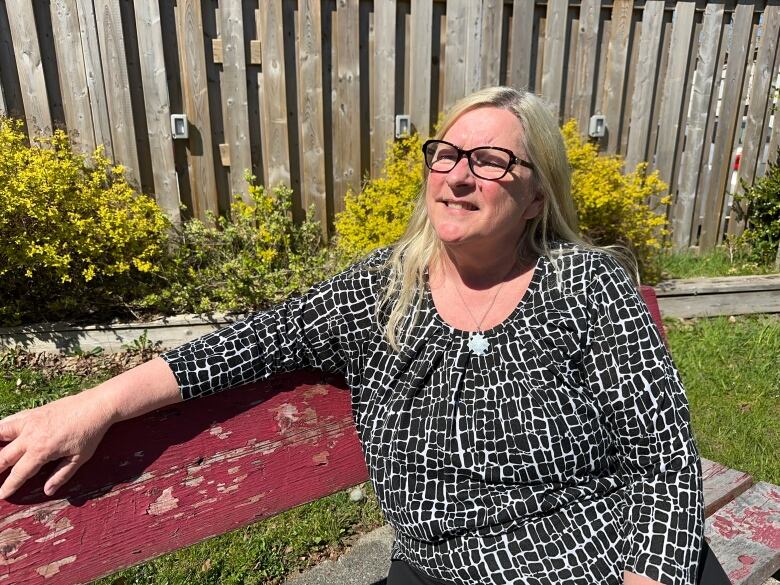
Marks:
<point>67,430</point>
<point>634,579</point>
<point>70,429</point>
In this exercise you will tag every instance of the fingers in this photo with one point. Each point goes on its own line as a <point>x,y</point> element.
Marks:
<point>9,426</point>
<point>9,455</point>
<point>26,467</point>
<point>63,472</point>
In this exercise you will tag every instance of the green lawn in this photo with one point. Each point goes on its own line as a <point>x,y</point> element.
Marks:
<point>718,262</point>
<point>731,369</point>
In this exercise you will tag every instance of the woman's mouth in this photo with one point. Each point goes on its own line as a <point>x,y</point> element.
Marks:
<point>465,205</point>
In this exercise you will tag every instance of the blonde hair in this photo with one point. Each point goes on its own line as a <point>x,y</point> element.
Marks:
<point>419,247</point>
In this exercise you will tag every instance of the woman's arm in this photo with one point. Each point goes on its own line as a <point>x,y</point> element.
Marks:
<point>644,408</point>
<point>70,429</point>
<point>634,579</point>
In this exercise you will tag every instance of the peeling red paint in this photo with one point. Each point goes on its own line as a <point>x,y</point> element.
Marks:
<point>286,415</point>
<point>746,559</point>
<point>10,542</point>
<point>321,458</point>
<point>316,390</point>
<point>53,568</point>
<point>165,503</point>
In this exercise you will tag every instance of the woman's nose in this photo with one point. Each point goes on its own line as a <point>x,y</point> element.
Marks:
<point>461,173</point>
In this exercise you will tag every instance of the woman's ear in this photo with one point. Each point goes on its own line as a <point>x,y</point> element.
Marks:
<point>536,206</point>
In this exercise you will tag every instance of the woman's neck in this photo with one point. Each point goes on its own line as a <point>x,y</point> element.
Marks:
<point>480,272</point>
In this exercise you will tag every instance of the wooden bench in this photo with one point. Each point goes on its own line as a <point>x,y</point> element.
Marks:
<point>198,469</point>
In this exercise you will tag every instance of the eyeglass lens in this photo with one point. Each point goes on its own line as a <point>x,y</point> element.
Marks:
<point>486,163</point>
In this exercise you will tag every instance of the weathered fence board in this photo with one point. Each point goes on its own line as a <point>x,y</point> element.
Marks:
<point>116,82</point>
<point>383,119</point>
<point>158,110</point>
<point>617,60</point>
<point>311,112</point>
<point>490,59</point>
<point>669,135</point>
<point>236,101</point>
<point>695,126</point>
<point>29,66</point>
<point>717,179</point>
<point>585,64</point>
<point>72,74</point>
<point>346,102</point>
<point>645,83</point>
<point>554,53</point>
<point>420,54</point>
<point>521,43</point>
<point>192,61</point>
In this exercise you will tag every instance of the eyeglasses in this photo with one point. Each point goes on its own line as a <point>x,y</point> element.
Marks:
<point>486,162</point>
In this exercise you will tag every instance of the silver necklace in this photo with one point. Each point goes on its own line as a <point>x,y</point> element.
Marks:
<point>478,343</point>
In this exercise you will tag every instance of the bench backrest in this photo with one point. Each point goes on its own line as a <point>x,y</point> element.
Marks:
<point>185,473</point>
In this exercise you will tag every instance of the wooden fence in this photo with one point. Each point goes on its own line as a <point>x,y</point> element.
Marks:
<point>305,92</point>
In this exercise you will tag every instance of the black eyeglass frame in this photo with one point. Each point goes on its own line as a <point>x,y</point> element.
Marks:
<point>513,159</point>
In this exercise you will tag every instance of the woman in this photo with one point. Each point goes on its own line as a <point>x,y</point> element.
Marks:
<point>520,416</point>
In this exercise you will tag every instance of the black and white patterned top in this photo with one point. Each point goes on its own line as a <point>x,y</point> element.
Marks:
<point>562,455</point>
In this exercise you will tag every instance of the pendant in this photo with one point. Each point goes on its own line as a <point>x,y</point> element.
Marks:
<point>478,343</point>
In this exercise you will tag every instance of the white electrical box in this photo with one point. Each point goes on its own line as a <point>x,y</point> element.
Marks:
<point>597,127</point>
<point>403,126</point>
<point>179,128</point>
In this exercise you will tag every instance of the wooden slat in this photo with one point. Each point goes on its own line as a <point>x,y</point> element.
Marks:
<point>713,305</point>
<point>521,45</point>
<point>473,46</point>
<point>694,155</point>
<point>744,535</point>
<point>236,101</point>
<point>29,67</point>
<point>554,54</point>
<point>346,103</point>
<point>192,63</point>
<point>72,75</point>
<point>721,485</point>
<point>645,83</point>
<point>694,286</point>
<point>490,48</point>
<point>420,64</point>
<point>216,50</point>
<point>158,111</point>
<point>585,62</point>
<point>615,83</point>
<point>669,136</point>
<point>761,84</point>
<point>730,106</point>
<point>383,77</point>
<point>115,80</point>
<point>93,69</point>
<point>456,51</point>
<point>310,97</point>
<point>194,470</point>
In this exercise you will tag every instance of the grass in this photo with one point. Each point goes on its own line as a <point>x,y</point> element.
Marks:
<point>731,369</point>
<point>721,261</point>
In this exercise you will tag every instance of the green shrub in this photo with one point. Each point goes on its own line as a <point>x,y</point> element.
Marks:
<point>613,205</point>
<point>74,237</point>
<point>249,260</point>
<point>759,204</point>
<point>377,216</point>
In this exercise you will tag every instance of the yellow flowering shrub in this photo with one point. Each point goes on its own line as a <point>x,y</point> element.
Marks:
<point>73,235</point>
<point>377,216</point>
<point>251,258</point>
<point>613,207</point>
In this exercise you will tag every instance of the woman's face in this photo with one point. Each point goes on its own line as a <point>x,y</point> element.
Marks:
<point>470,213</point>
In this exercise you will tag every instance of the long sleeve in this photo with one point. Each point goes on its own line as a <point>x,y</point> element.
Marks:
<point>322,329</point>
<point>642,402</point>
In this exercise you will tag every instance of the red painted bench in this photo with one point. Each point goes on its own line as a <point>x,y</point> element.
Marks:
<point>198,469</point>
